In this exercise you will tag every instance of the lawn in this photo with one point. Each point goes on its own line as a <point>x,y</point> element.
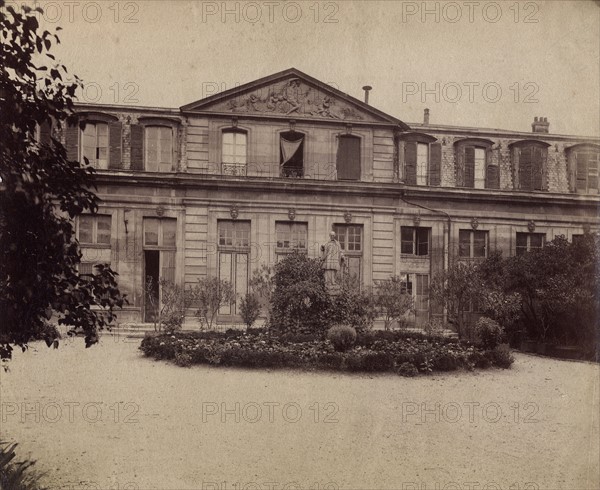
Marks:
<point>106,417</point>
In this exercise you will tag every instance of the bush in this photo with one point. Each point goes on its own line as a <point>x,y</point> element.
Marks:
<point>445,362</point>
<point>489,332</point>
<point>331,360</point>
<point>377,361</point>
<point>502,356</point>
<point>183,359</point>
<point>249,309</point>
<point>353,307</point>
<point>482,360</point>
<point>408,370</point>
<point>434,327</point>
<point>342,337</point>
<point>16,475</point>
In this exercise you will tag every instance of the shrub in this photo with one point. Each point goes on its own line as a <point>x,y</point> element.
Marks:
<point>434,327</point>
<point>377,361</point>
<point>392,300</point>
<point>408,370</point>
<point>183,359</point>
<point>342,337</point>
<point>16,475</point>
<point>352,306</point>
<point>209,295</point>
<point>249,309</point>
<point>331,360</point>
<point>502,356</point>
<point>445,362</point>
<point>482,360</point>
<point>489,332</point>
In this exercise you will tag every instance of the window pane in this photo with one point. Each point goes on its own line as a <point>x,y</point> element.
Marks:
<point>407,240</point>
<point>166,149</point>
<point>464,243</point>
<point>152,148</point>
<point>102,145</point>
<point>422,241</point>
<point>422,163</point>
<point>86,229</point>
<point>88,144</point>
<point>536,240</point>
<point>479,243</point>
<point>151,231</point>
<point>479,168</point>
<point>104,225</point>
<point>169,232</point>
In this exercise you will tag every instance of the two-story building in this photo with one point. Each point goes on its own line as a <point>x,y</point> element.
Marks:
<point>224,185</point>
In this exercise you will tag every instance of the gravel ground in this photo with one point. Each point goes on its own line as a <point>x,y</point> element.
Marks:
<point>106,417</point>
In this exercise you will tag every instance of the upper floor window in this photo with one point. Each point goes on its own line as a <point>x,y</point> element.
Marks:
<point>234,234</point>
<point>291,236</point>
<point>529,241</point>
<point>160,232</point>
<point>94,229</point>
<point>414,240</point>
<point>291,154</point>
<point>472,244</point>
<point>348,158</point>
<point>94,144</point>
<point>422,159</point>
<point>158,146</point>
<point>473,164</point>
<point>97,137</point>
<point>583,163</point>
<point>234,143</point>
<point>529,165</point>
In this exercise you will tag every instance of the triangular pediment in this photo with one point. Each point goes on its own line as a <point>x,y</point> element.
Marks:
<point>291,94</point>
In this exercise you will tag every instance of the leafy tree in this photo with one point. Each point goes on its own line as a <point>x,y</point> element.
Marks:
<point>41,192</point>
<point>249,309</point>
<point>168,303</point>
<point>392,300</point>
<point>353,306</point>
<point>261,285</point>
<point>210,294</point>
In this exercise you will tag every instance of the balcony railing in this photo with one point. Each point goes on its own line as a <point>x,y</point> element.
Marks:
<point>292,172</point>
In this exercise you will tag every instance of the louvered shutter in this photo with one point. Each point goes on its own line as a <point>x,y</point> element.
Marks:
<point>537,170</point>
<point>72,142</point>
<point>137,147</point>
<point>572,170</point>
<point>435,164</point>
<point>114,143</point>
<point>410,163</point>
<point>460,166</point>
<point>593,169</point>
<point>525,168</point>
<point>492,177</point>
<point>469,178</point>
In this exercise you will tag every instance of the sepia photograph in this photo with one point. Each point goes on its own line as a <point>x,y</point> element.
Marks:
<point>299,245</point>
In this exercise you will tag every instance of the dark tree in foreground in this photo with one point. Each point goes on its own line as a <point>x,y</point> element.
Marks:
<point>40,194</point>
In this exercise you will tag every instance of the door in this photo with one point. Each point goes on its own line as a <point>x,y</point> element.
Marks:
<point>233,268</point>
<point>151,277</point>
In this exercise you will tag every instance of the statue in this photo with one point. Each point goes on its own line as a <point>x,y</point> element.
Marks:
<point>332,261</point>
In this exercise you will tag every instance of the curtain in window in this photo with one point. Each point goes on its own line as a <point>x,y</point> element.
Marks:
<point>289,149</point>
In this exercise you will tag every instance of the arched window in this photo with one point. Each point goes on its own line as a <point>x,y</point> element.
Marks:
<point>97,137</point>
<point>421,159</point>
<point>529,159</point>
<point>474,164</point>
<point>583,167</point>
<point>234,151</point>
<point>291,154</point>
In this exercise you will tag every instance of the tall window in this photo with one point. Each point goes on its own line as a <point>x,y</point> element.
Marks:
<point>348,158</point>
<point>421,157</point>
<point>584,163</point>
<point>422,163</point>
<point>234,151</point>
<point>414,240</point>
<point>94,229</point>
<point>291,154</point>
<point>158,146</point>
<point>529,165</point>
<point>234,249</point>
<point>94,144</point>
<point>479,168</point>
<point>529,241</point>
<point>291,236</point>
<point>351,243</point>
<point>472,244</point>
<point>472,166</point>
<point>417,286</point>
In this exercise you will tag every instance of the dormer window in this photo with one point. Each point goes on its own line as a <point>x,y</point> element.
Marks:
<point>234,150</point>
<point>583,166</point>
<point>158,146</point>
<point>529,164</point>
<point>421,159</point>
<point>94,144</point>
<point>96,138</point>
<point>474,167</point>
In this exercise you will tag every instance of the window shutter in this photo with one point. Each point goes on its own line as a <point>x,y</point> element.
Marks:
<point>114,143</point>
<point>435,164</point>
<point>348,158</point>
<point>72,142</point>
<point>492,177</point>
<point>460,166</point>
<point>45,133</point>
<point>137,147</point>
<point>437,267</point>
<point>537,170</point>
<point>525,168</point>
<point>593,168</point>
<point>410,163</point>
<point>469,179</point>
<point>515,154</point>
<point>572,170</point>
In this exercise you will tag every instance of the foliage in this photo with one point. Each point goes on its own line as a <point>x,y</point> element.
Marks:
<point>42,191</point>
<point>261,285</point>
<point>434,327</point>
<point>209,295</point>
<point>392,300</point>
<point>502,357</point>
<point>259,349</point>
<point>342,337</point>
<point>168,302</point>
<point>16,475</point>
<point>455,289</point>
<point>490,333</point>
<point>249,309</point>
<point>408,370</point>
<point>352,306</point>
<point>299,303</point>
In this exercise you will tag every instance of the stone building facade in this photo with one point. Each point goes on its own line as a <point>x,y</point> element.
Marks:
<point>232,182</point>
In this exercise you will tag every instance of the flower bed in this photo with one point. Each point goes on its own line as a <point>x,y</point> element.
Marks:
<point>373,352</point>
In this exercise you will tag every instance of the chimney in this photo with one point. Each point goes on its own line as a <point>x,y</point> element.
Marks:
<point>367,88</point>
<point>540,125</point>
<point>426,117</point>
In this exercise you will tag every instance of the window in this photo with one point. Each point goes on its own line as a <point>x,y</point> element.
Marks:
<point>291,154</point>
<point>529,165</point>
<point>583,162</point>
<point>529,241</point>
<point>234,151</point>
<point>158,147</point>
<point>414,241</point>
<point>577,238</point>
<point>472,244</point>
<point>291,236</point>
<point>160,233</point>
<point>417,286</point>
<point>422,157</point>
<point>94,144</point>
<point>95,229</point>
<point>348,158</point>
<point>234,234</point>
<point>473,168</point>
<point>350,238</point>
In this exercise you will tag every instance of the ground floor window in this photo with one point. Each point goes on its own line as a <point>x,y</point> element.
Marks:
<point>529,241</point>
<point>417,285</point>
<point>234,252</point>
<point>351,243</point>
